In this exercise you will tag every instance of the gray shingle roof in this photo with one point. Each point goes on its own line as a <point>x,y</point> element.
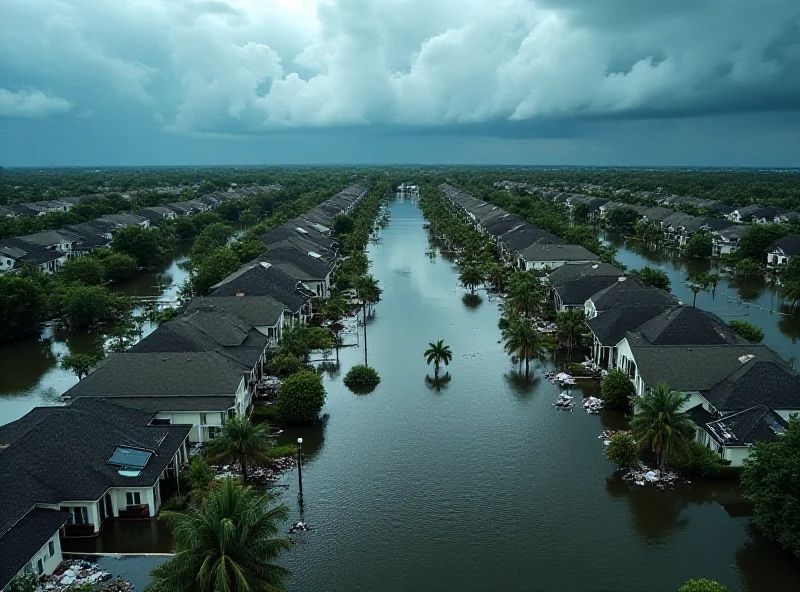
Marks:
<point>183,403</point>
<point>297,264</point>
<point>573,271</point>
<point>694,367</point>
<point>631,292</point>
<point>756,424</point>
<point>557,252</point>
<point>611,326</point>
<point>576,292</point>
<point>526,235</point>
<point>263,279</point>
<point>162,374</point>
<point>790,245</point>
<point>258,312</point>
<point>25,538</point>
<point>685,325</point>
<point>759,381</point>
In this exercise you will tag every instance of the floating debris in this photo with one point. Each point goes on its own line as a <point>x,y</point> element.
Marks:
<point>644,475</point>
<point>564,401</point>
<point>593,405</point>
<point>299,527</point>
<point>257,475</point>
<point>77,573</point>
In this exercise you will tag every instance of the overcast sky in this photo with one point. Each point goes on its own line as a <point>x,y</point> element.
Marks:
<point>624,82</point>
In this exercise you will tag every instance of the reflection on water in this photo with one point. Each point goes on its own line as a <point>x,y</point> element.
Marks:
<point>750,299</point>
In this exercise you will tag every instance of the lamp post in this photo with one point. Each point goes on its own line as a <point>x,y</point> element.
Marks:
<point>300,469</point>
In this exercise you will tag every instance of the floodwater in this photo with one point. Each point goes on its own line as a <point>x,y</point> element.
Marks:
<point>737,298</point>
<point>481,484</point>
<point>31,375</point>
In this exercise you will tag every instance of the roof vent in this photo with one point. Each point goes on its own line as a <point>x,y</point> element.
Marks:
<point>746,358</point>
<point>622,278</point>
<point>314,255</point>
<point>301,230</point>
<point>265,264</point>
<point>239,294</point>
<point>595,266</point>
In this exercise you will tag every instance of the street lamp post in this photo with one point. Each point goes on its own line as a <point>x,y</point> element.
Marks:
<point>300,468</point>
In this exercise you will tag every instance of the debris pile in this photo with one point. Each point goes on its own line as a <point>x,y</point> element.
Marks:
<point>593,405</point>
<point>267,387</point>
<point>564,401</point>
<point>643,475</point>
<point>257,475</point>
<point>299,527</point>
<point>76,573</point>
<point>606,436</point>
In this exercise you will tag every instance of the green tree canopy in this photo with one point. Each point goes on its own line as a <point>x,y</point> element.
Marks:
<point>702,585</point>
<point>438,353</point>
<point>523,340</point>
<point>622,450</point>
<point>226,544</point>
<point>88,271</point>
<point>617,390</point>
<point>140,243</point>
<point>771,481</point>
<point>660,425</point>
<point>653,277</point>
<point>301,397</point>
<point>23,304</point>
<point>747,330</point>
<point>213,269</point>
<point>700,245</point>
<point>343,224</point>
<point>241,442</point>
<point>79,364</point>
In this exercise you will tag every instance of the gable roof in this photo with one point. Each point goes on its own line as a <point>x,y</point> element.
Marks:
<point>755,382</point>
<point>573,271</point>
<point>790,245</point>
<point>557,252</point>
<point>526,235</point>
<point>695,367</point>
<point>264,311</point>
<point>575,292</point>
<point>25,252</point>
<point>261,278</point>
<point>611,326</point>
<point>631,291</point>
<point>685,325</point>
<point>25,538</point>
<point>756,424</point>
<point>298,264</point>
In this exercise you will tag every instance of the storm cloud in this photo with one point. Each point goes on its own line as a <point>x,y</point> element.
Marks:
<point>508,69</point>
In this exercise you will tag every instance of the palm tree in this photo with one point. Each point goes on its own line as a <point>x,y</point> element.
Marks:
<point>524,294</point>
<point>570,325</point>
<point>713,279</point>
<point>659,424</point>
<point>471,277</point>
<point>368,292</point>
<point>698,282</point>
<point>226,545</point>
<point>200,477</point>
<point>524,341</point>
<point>438,352</point>
<point>241,442</point>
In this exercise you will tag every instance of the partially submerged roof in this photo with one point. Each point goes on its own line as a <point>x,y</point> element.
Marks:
<point>264,311</point>
<point>260,278</point>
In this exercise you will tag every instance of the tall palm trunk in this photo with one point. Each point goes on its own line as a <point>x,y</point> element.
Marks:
<point>436,368</point>
<point>364,307</point>
<point>527,364</point>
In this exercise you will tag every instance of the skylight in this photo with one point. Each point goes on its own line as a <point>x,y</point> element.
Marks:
<point>314,255</point>
<point>301,230</point>
<point>130,458</point>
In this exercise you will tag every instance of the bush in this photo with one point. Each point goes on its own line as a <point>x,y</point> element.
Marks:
<point>284,365</point>
<point>300,397</point>
<point>702,585</point>
<point>617,390</point>
<point>622,450</point>
<point>262,413</point>
<point>653,277</point>
<point>361,377</point>
<point>701,461</point>
<point>747,330</point>
<point>176,503</point>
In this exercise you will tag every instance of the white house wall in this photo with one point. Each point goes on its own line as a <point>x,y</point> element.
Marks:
<point>49,562</point>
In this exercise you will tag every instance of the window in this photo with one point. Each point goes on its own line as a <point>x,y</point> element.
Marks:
<point>51,548</point>
<point>213,432</point>
<point>39,567</point>
<point>80,515</point>
<point>133,498</point>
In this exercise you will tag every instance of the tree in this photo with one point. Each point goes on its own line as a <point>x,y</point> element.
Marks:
<point>334,311</point>
<point>140,243</point>
<point>242,442</point>
<point>23,305</point>
<point>697,283</point>
<point>88,306</point>
<point>622,218</point>
<point>622,450</point>
<point>213,269</point>
<point>748,267</point>
<point>523,340</point>
<point>438,353</point>
<point>209,240</point>
<point>87,271</point>
<point>79,364</point>
<point>301,397</point>
<point>118,266</point>
<point>758,238</point>
<point>368,292</point>
<point>227,544</point>
<point>771,482</point>
<point>200,477</point>
<point>660,425</point>
<point>714,280</point>
<point>343,224</point>
<point>700,245</point>
<point>284,365</point>
<point>471,277</point>
<point>617,390</point>
<point>655,278</point>
<point>570,326</point>
<point>702,585</point>
<point>497,276</point>
<point>361,377</point>
<point>524,294</point>
<point>747,330</point>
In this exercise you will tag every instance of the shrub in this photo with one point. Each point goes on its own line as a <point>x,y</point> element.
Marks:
<point>361,377</point>
<point>284,365</point>
<point>622,450</point>
<point>617,390</point>
<point>747,330</point>
<point>300,397</point>
<point>701,461</point>
<point>263,413</point>
<point>176,503</point>
<point>702,585</point>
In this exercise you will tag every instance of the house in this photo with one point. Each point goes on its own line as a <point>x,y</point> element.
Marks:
<point>732,436</point>
<point>260,279</point>
<point>754,213</point>
<point>573,283</point>
<point>302,236</point>
<point>68,471</point>
<point>265,314</point>
<point>55,240</point>
<point>155,214</point>
<point>726,241</point>
<point>782,249</point>
<point>16,253</point>
<point>611,327</point>
<point>7,212</point>
<point>628,291</point>
<point>787,217</point>
<point>201,389</point>
<point>125,219</point>
<point>523,236</point>
<point>310,268</point>
<point>181,208</point>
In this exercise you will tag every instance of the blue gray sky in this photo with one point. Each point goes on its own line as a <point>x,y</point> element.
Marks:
<point>611,82</point>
